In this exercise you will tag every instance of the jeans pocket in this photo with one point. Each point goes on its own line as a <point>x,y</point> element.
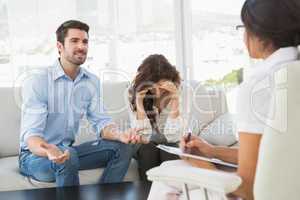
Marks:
<point>22,162</point>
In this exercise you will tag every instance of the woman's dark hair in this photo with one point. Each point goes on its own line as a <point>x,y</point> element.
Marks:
<point>153,69</point>
<point>276,22</point>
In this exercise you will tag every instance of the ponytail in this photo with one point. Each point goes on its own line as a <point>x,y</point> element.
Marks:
<point>274,21</point>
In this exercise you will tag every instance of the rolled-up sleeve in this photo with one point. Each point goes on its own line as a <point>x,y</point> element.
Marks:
<point>96,113</point>
<point>34,110</point>
<point>252,109</point>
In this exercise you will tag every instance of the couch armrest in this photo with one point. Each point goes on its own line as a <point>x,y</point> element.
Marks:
<point>212,180</point>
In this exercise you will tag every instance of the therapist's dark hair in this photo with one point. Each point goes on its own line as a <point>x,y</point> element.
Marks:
<point>275,22</point>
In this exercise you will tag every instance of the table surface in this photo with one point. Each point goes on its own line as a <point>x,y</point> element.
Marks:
<point>115,191</point>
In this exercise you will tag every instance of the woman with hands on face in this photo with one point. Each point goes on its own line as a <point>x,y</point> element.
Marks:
<point>154,107</point>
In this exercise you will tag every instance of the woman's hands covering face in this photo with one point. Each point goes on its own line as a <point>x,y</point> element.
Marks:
<point>168,86</point>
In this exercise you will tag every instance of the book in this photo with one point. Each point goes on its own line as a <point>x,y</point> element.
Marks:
<point>179,152</point>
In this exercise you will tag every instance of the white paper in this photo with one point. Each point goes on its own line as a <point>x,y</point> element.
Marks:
<point>178,151</point>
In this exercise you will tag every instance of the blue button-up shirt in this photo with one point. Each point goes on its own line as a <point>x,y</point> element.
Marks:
<point>53,105</point>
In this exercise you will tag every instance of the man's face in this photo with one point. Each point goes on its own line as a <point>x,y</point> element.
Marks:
<point>75,47</point>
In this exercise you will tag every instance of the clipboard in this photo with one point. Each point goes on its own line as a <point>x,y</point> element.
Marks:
<point>178,151</point>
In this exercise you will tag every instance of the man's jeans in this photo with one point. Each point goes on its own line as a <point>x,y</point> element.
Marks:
<point>115,156</point>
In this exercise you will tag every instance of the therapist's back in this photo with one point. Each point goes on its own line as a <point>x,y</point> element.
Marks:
<point>272,33</point>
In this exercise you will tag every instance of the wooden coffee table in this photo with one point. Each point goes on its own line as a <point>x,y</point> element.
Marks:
<point>115,191</point>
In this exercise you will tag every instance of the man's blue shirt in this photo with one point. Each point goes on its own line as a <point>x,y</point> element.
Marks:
<point>53,105</point>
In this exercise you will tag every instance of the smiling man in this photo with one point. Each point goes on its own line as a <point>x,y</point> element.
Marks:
<point>54,101</point>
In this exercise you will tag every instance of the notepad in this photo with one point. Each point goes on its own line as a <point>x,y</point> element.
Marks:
<point>178,151</point>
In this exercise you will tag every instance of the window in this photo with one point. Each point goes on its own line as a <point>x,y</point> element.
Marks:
<point>4,46</point>
<point>31,33</point>
<point>217,46</point>
<point>219,55</point>
<point>122,34</point>
<point>140,28</point>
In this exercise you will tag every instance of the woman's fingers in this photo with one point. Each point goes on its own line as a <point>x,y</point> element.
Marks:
<point>169,87</point>
<point>195,143</point>
<point>144,91</point>
<point>166,83</point>
<point>182,143</point>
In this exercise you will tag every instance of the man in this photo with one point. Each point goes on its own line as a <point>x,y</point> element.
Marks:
<point>54,101</point>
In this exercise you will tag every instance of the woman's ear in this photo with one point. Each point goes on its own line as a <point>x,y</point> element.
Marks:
<point>257,48</point>
<point>253,44</point>
<point>247,42</point>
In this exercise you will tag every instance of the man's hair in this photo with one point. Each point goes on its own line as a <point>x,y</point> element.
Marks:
<point>62,30</point>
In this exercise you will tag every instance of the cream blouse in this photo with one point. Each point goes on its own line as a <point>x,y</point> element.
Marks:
<point>171,128</point>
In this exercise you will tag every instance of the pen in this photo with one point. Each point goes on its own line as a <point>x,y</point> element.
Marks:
<point>188,138</point>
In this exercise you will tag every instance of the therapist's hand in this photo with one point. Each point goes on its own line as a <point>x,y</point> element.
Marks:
<point>197,146</point>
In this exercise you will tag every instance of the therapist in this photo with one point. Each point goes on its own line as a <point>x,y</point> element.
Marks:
<point>272,33</point>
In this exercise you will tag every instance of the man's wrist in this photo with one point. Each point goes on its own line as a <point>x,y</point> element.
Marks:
<point>119,136</point>
<point>111,132</point>
<point>116,133</point>
<point>44,147</point>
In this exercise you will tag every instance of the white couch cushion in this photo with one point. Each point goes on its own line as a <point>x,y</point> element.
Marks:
<point>201,106</point>
<point>115,97</point>
<point>12,180</point>
<point>222,131</point>
<point>9,122</point>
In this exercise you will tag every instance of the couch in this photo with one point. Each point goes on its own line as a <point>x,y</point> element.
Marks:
<point>199,106</point>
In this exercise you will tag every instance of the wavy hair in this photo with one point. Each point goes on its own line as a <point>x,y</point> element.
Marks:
<point>153,69</point>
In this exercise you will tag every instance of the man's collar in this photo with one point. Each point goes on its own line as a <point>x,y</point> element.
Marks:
<point>59,72</point>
